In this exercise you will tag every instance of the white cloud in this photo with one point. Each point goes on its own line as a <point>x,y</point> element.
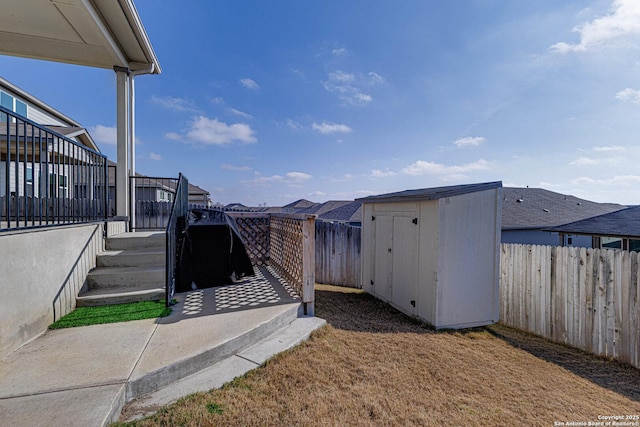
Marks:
<point>104,134</point>
<point>629,95</point>
<point>377,173</point>
<point>208,131</point>
<point>241,113</point>
<point>469,141</point>
<point>609,148</point>
<point>327,128</point>
<point>174,104</point>
<point>298,176</point>
<point>340,51</point>
<point>623,20</point>
<point>586,161</point>
<point>619,180</point>
<point>217,100</point>
<point>350,86</point>
<point>155,156</point>
<point>292,124</point>
<point>229,167</point>
<point>249,84</point>
<point>290,178</point>
<point>422,167</point>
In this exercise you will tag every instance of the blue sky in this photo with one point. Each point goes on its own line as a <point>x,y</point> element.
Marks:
<point>268,102</point>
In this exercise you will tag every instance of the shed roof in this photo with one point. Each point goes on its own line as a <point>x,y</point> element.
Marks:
<point>431,193</point>
<point>537,208</point>
<point>622,223</point>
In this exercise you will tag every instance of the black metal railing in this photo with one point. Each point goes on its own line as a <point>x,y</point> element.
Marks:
<point>152,199</point>
<point>176,227</point>
<point>46,178</point>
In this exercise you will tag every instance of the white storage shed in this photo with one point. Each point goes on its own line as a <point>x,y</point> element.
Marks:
<point>434,253</point>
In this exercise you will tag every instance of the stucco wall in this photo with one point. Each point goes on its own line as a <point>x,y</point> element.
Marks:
<point>41,272</point>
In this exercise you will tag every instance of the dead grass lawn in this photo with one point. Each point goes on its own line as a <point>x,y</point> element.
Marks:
<point>375,366</point>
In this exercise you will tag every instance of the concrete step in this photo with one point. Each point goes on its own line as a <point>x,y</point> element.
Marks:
<point>137,240</point>
<point>120,295</point>
<point>132,258</point>
<point>216,375</point>
<point>126,277</point>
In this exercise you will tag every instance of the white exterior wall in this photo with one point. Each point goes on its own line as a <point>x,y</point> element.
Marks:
<point>42,272</point>
<point>428,267</point>
<point>41,117</point>
<point>35,113</point>
<point>469,260</point>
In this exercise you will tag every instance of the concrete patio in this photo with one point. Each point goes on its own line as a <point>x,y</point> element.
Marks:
<point>84,376</point>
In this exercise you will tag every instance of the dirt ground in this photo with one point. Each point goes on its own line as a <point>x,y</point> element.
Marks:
<point>374,366</point>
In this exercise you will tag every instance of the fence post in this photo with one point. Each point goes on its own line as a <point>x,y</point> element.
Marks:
<point>308,264</point>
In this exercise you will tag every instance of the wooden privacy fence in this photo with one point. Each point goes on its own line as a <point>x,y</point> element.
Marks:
<point>286,242</point>
<point>338,254</point>
<point>583,297</point>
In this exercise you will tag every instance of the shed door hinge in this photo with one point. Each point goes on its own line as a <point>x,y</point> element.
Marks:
<point>415,220</point>
<point>373,218</point>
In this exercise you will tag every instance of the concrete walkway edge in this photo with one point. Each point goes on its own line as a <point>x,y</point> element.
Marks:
<point>226,370</point>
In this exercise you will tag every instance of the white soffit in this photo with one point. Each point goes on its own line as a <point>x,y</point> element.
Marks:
<point>95,33</point>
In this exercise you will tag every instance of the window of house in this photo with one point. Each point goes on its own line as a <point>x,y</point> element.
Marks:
<point>21,108</point>
<point>29,179</point>
<point>634,245</point>
<point>611,243</point>
<point>6,101</point>
<point>62,183</point>
<point>10,103</point>
<point>52,185</point>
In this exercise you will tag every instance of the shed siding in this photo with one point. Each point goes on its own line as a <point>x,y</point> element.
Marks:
<point>469,251</point>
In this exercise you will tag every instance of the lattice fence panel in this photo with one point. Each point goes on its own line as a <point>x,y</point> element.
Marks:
<point>287,249</point>
<point>254,231</point>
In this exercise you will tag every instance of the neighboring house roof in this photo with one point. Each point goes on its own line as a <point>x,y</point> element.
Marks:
<point>537,208</point>
<point>320,208</point>
<point>80,134</point>
<point>10,87</point>
<point>97,33</point>
<point>431,193</point>
<point>350,212</point>
<point>71,128</point>
<point>236,206</point>
<point>300,204</point>
<point>622,223</point>
<point>195,190</point>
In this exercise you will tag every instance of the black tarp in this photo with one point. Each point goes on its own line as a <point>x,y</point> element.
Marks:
<point>212,251</point>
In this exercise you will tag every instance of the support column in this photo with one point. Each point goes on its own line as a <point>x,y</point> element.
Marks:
<point>132,147</point>
<point>123,134</point>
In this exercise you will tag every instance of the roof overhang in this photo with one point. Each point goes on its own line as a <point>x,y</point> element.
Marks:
<point>94,33</point>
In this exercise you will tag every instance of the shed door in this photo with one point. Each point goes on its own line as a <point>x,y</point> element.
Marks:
<point>405,263</point>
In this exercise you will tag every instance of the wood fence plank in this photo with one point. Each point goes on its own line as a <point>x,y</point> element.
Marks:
<point>588,298</point>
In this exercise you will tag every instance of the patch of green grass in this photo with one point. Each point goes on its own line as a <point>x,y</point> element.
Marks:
<point>214,408</point>
<point>84,316</point>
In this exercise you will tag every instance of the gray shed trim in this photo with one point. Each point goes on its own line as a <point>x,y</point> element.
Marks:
<point>431,193</point>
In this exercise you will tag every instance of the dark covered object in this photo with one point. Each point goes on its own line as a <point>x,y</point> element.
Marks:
<point>212,251</point>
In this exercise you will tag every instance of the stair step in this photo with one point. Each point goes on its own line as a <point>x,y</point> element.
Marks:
<point>132,258</point>
<point>126,277</point>
<point>120,295</point>
<point>137,240</point>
